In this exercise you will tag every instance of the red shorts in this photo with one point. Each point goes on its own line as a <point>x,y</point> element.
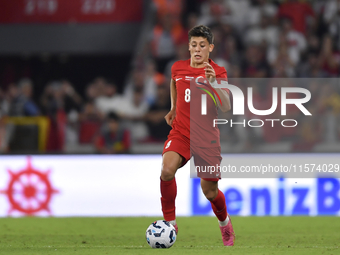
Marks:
<point>204,157</point>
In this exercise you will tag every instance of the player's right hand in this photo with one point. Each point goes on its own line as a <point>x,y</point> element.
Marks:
<point>169,118</point>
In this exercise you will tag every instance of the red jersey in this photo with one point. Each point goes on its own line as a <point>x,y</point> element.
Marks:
<point>189,121</point>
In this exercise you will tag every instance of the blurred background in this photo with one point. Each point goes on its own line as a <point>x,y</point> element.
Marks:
<point>92,76</point>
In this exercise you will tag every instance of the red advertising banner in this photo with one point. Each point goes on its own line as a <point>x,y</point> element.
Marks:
<point>65,11</point>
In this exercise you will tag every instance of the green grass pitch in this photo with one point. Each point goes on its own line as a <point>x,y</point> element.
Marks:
<point>197,235</point>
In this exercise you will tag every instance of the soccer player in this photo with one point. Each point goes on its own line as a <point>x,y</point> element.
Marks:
<point>179,147</point>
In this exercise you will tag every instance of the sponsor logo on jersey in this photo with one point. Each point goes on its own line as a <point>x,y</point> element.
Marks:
<point>207,91</point>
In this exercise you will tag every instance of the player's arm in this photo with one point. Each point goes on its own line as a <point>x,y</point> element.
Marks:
<point>173,95</point>
<point>225,99</point>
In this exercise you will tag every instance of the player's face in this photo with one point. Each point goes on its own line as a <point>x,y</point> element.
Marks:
<point>199,48</point>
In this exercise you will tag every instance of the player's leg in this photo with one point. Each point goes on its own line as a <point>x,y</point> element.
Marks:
<point>176,153</point>
<point>171,162</point>
<point>216,198</point>
<point>205,157</point>
<point>218,204</point>
<point>209,182</point>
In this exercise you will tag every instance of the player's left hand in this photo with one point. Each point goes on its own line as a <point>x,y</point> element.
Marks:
<point>209,72</point>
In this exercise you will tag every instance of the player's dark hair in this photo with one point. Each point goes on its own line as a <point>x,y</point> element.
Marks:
<point>201,31</point>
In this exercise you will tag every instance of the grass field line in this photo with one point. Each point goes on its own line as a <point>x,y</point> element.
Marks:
<point>191,246</point>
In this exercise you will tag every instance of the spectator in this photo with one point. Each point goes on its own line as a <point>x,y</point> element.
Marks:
<point>132,112</point>
<point>137,82</point>
<point>191,21</point>
<point>264,34</point>
<point>150,80</point>
<point>10,105</point>
<point>100,85</point>
<point>72,100</point>
<point>284,65</point>
<point>146,81</point>
<point>113,138</point>
<point>329,59</point>
<point>72,103</point>
<point>52,102</point>
<point>218,42</point>
<point>136,107</point>
<point>297,12</point>
<point>229,32</point>
<point>90,120</point>
<point>91,113</point>
<point>313,44</point>
<point>294,42</point>
<point>311,68</point>
<point>217,53</point>
<point>52,98</point>
<point>254,64</point>
<point>239,11</point>
<point>26,93</point>
<point>164,7</point>
<point>260,9</point>
<point>158,128</point>
<point>20,101</point>
<point>109,101</point>
<point>231,53</point>
<point>91,93</point>
<point>165,35</point>
<point>331,17</point>
<point>234,71</point>
<point>182,53</point>
<point>213,12</point>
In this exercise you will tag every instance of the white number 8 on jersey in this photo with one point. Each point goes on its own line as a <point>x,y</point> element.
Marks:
<point>187,95</point>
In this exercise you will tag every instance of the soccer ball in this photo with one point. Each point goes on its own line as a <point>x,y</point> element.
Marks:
<point>160,234</point>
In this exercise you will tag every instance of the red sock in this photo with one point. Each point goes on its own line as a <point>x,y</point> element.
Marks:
<point>168,192</point>
<point>219,206</point>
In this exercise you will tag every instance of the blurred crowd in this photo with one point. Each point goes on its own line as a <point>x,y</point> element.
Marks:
<point>253,39</point>
<point>104,118</point>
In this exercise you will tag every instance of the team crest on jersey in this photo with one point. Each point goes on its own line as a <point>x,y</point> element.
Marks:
<point>168,144</point>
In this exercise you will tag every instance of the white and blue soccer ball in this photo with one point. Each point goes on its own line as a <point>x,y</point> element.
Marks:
<point>160,234</point>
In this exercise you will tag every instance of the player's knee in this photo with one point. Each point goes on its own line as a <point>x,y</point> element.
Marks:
<point>210,194</point>
<point>168,172</point>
